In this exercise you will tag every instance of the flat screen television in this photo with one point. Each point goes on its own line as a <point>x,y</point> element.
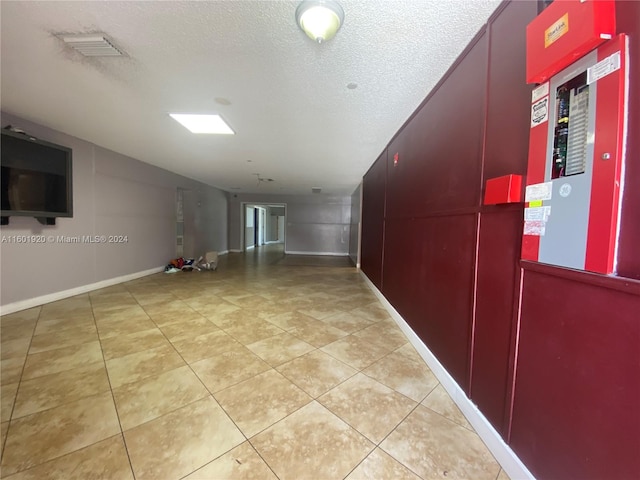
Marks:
<point>35,178</point>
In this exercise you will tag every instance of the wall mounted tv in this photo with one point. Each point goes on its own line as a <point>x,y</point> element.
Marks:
<point>35,177</point>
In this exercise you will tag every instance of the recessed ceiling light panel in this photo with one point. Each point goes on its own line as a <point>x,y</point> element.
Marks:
<point>203,123</point>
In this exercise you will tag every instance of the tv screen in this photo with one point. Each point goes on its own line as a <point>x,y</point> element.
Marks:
<point>35,177</point>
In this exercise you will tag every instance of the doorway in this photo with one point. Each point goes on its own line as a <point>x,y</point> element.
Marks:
<point>262,224</point>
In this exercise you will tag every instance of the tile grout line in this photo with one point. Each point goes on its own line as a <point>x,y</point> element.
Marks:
<point>113,398</point>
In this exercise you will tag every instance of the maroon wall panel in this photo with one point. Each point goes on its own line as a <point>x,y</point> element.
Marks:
<point>498,269</point>
<point>628,21</point>
<point>506,148</point>
<point>428,276</point>
<point>373,198</point>
<point>439,150</point>
<point>577,392</point>
<point>507,130</point>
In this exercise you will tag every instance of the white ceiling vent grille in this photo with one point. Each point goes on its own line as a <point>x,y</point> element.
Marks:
<point>92,45</point>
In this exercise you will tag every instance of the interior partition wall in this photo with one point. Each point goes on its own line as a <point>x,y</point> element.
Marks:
<point>549,355</point>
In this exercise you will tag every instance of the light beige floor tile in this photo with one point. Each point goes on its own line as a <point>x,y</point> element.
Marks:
<point>280,349</point>
<point>205,346</point>
<point>14,348</point>
<point>43,436</point>
<point>127,312</point>
<point>4,427</point>
<point>440,402</point>
<point>14,330</point>
<point>411,378</point>
<point>316,332</point>
<point>170,316</point>
<point>57,325</point>
<point>59,360</point>
<point>348,322</point>
<point>11,369</point>
<point>250,301</point>
<point>112,328</point>
<point>237,316</point>
<point>72,336</point>
<point>320,310</point>
<point>188,329</point>
<point>8,395</point>
<point>217,313</point>
<point>140,365</point>
<point>374,311</point>
<point>182,441</point>
<point>29,315</point>
<point>241,463</point>
<point>312,443</point>
<point>431,445</point>
<point>106,459</point>
<point>316,372</point>
<point>379,465</point>
<point>384,335</point>
<point>259,402</point>
<point>121,345</point>
<point>410,353</point>
<point>377,411</point>
<point>154,396</point>
<point>355,351</point>
<point>50,391</point>
<point>251,331</point>
<point>287,320</point>
<point>229,368</point>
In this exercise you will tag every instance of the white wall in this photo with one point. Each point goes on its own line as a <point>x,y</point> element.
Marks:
<point>112,195</point>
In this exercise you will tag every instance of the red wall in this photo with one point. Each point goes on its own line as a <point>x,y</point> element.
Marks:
<point>550,356</point>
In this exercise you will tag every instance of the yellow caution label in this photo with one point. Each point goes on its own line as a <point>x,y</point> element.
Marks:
<point>536,203</point>
<point>557,30</point>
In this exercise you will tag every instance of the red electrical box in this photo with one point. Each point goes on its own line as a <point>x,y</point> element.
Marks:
<point>564,32</point>
<point>506,189</point>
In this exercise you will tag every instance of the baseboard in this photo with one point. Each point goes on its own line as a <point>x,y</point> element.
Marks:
<point>329,254</point>
<point>53,297</point>
<point>506,457</point>
<point>223,252</point>
<point>233,250</point>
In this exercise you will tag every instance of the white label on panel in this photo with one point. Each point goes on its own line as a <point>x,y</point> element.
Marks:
<point>540,112</point>
<point>539,92</point>
<point>535,228</point>
<point>538,191</point>
<point>603,68</point>
<point>540,214</point>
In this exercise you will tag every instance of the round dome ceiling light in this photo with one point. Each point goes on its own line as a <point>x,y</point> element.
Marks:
<point>320,19</point>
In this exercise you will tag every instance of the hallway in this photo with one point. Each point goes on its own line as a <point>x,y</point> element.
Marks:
<point>263,369</point>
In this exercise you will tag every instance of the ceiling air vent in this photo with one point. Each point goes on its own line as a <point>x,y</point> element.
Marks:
<point>92,45</point>
<point>316,190</point>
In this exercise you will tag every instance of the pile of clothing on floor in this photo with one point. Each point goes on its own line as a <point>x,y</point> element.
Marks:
<point>188,265</point>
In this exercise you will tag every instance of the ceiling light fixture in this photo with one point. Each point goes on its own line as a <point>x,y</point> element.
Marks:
<point>319,19</point>
<point>203,123</point>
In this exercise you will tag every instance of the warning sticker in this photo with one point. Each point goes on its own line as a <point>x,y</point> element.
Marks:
<point>538,191</point>
<point>535,228</point>
<point>539,92</point>
<point>540,112</point>
<point>603,68</point>
<point>539,214</point>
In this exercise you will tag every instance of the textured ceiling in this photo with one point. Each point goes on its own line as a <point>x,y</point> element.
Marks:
<point>285,96</point>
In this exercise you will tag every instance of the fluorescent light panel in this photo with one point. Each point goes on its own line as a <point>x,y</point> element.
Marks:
<point>203,123</point>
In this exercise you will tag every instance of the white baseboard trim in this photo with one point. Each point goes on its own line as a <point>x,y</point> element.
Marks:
<point>329,254</point>
<point>233,250</point>
<point>223,252</point>
<point>506,457</point>
<point>53,297</point>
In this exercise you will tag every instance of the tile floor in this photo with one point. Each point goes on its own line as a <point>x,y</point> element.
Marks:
<point>261,370</point>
